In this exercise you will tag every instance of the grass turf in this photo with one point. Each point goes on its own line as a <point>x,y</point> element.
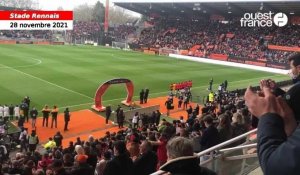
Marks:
<point>69,75</point>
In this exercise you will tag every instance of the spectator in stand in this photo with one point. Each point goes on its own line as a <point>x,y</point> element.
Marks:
<point>23,140</point>
<point>210,136</point>
<point>161,144</point>
<point>33,141</point>
<point>181,159</point>
<point>121,163</point>
<point>58,168</point>
<point>58,139</point>
<point>50,144</point>
<point>101,164</point>
<point>81,166</point>
<point>224,128</point>
<point>278,143</point>
<point>135,119</point>
<point>146,163</point>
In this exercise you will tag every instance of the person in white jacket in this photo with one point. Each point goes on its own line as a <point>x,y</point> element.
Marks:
<point>135,120</point>
<point>17,112</point>
<point>6,112</point>
<point>1,111</point>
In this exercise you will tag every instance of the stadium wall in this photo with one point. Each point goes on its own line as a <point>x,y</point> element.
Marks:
<point>232,64</point>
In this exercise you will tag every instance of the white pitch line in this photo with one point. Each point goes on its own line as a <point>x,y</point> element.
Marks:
<point>30,65</point>
<point>78,93</point>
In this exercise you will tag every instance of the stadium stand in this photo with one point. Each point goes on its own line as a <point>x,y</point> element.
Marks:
<point>214,37</point>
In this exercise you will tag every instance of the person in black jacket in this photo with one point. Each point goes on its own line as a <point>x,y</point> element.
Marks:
<point>58,139</point>
<point>181,160</point>
<point>278,134</point>
<point>142,93</point>
<point>146,95</point>
<point>121,163</point>
<point>146,163</point>
<point>54,113</point>
<point>120,118</point>
<point>210,136</point>
<point>33,115</point>
<point>11,112</point>
<point>67,117</point>
<point>107,114</point>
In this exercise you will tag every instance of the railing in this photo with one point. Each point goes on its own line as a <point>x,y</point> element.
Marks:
<point>219,151</point>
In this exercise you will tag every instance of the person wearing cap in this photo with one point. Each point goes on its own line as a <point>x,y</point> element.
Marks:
<point>81,166</point>
<point>278,135</point>
<point>121,163</point>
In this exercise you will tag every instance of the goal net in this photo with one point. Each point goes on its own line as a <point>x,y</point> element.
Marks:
<point>166,51</point>
<point>120,45</point>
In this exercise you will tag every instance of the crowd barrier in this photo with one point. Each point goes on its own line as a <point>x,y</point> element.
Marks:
<point>233,64</point>
<point>130,113</point>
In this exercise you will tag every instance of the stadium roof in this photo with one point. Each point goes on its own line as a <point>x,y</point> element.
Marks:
<point>207,7</point>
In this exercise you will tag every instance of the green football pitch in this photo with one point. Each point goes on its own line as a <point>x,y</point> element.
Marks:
<point>69,75</point>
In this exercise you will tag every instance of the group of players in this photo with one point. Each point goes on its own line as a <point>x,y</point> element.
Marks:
<point>22,113</point>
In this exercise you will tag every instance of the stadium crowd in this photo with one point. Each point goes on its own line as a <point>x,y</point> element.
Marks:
<point>122,32</point>
<point>26,35</point>
<point>139,149</point>
<point>222,38</point>
<point>85,29</point>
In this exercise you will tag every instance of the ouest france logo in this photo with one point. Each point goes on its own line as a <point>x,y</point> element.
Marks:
<point>264,19</point>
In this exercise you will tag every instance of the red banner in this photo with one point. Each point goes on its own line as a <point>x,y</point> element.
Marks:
<point>256,63</point>
<point>218,57</point>
<point>36,15</point>
<point>195,47</point>
<point>181,85</point>
<point>284,48</point>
